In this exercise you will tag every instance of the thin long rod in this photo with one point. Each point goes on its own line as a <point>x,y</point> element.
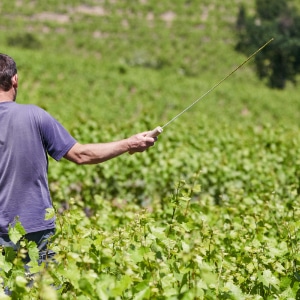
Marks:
<point>216,85</point>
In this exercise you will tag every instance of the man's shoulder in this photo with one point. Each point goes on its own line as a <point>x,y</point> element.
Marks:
<point>32,113</point>
<point>30,109</point>
<point>28,106</point>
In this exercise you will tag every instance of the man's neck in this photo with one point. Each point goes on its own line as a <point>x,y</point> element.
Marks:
<point>6,96</point>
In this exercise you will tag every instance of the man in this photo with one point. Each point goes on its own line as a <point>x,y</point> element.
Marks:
<point>27,135</point>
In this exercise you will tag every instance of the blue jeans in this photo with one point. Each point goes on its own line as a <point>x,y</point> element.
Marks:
<point>41,238</point>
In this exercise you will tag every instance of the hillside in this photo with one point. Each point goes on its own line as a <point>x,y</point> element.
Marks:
<point>143,56</point>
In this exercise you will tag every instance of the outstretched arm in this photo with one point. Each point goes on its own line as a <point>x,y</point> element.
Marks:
<point>98,153</point>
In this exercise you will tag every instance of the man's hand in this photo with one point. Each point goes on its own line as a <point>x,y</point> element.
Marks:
<point>140,142</point>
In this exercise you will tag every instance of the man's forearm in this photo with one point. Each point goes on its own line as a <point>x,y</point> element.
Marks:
<point>96,153</point>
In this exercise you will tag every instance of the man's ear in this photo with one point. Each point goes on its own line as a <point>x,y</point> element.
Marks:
<point>14,81</point>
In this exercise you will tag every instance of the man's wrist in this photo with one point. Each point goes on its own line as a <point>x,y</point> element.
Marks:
<point>128,145</point>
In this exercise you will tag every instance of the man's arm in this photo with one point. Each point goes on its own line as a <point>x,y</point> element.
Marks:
<point>98,153</point>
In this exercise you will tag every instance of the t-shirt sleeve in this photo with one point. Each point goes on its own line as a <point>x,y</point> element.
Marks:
<point>56,139</point>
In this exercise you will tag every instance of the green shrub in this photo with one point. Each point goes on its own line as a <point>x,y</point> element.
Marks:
<point>279,62</point>
<point>24,40</point>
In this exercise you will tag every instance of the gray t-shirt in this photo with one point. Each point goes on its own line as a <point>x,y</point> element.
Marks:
<point>27,135</point>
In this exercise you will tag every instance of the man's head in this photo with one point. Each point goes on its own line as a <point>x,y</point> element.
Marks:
<point>8,70</point>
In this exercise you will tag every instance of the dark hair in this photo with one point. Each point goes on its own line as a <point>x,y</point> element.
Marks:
<point>8,69</point>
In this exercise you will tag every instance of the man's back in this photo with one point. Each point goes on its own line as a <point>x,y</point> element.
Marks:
<point>27,133</point>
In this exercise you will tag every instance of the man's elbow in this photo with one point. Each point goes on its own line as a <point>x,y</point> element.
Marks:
<point>75,155</point>
<point>79,161</point>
